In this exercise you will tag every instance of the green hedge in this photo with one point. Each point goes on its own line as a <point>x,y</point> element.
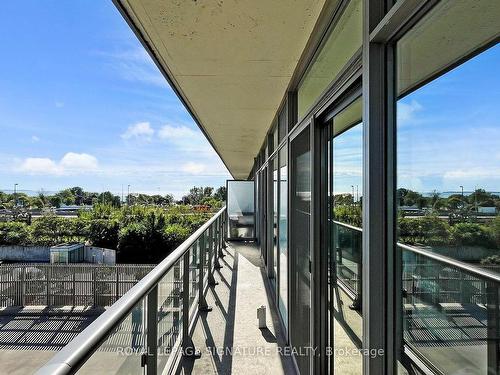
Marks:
<point>140,233</point>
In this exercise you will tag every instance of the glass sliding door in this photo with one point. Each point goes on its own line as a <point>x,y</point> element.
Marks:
<point>263,217</point>
<point>448,188</point>
<point>345,174</point>
<point>283,237</point>
<point>275,219</point>
<point>300,216</point>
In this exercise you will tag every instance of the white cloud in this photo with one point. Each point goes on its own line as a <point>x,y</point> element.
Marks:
<point>141,130</point>
<point>34,139</point>
<point>169,132</point>
<point>80,162</point>
<point>71,163</point>
<point>406,111</point>
<point>186,139</point>
<point>476,172</point>
<point>193,168</point>
<point>134,65</point>
<point>40,166</point>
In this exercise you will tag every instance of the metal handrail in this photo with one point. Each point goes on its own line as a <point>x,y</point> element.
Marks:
<point>347,226</point>
<point>78,350</point>
<point>476,271</point>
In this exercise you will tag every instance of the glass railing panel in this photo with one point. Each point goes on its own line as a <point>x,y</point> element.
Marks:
<point>169,314</point>
<point>240,209</point>
<point>205,240</point>
<point>347,329</point>
<point>450,316</point>
<point>194,272</point>
<point>348,242</point>
<point>121,352</point>
<point>146,337</point>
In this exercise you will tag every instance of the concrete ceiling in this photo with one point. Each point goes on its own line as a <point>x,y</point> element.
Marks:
<point>230,61</point>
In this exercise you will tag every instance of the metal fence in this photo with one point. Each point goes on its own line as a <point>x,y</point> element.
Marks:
<point>54,285</point>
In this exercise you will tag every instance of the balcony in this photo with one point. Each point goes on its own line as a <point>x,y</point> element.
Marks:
<point>195,312</point>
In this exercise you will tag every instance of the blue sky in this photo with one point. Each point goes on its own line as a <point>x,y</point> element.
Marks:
<point>82,103</point>
<point>448,133</point>
<point>348,162</point>
<point>449,130</point>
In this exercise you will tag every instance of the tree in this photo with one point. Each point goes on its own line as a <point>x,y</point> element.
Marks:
<point>37,202</point>
<point>472,234</point>
<point>78,194</point>
<point>108,198</point>
<point>455,202</point>
<point>14,233</point>
<point>427,230</point>
<point>55,201</point>
<point>104,233</point>
<point>220,194</point>
<point>343,200</point>
<point>197,195</point>
<point>479,196</point>
<point>168,199</point>
<point>67,197</point>
<point>495,230</point>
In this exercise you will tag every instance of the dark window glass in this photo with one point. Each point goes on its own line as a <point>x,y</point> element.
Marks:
<point>300,215</point>
<point>283,236</point>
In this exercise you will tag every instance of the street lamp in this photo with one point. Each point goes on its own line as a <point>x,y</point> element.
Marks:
<point>128,195</point>
<point>461,187</point>
<point>352,187</point>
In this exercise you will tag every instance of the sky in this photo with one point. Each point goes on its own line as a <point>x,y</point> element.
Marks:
<point>82,104</point>
<point>448,134</point>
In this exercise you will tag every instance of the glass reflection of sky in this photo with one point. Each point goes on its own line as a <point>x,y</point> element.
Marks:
<point>449,130</point>
<point>348,161</point>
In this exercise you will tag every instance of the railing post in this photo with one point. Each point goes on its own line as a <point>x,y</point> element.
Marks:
<point>188,349</point>
<point>47,275</point>
<point>117,286</point>
<point>202,303</point>
<point>211,279</point>
<point>217,249</point>
<point>224,229</point>
<point>221,235</point>
<point>94,286</point>
<point>74,286</point>
<point>23,286</point>
<point>152,332</point>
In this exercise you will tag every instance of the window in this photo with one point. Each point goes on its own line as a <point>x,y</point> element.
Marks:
<point>345,174</point>
<point>275,216</point>
<point>342,43</point>
<point>283,236</point>
<point>282,122</point>
<point>448,187</point>
<point>300,217</point>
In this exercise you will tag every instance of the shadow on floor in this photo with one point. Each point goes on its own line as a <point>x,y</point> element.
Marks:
<point>40,331</point>
<point>222,361</point>
<point>215,332</point>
